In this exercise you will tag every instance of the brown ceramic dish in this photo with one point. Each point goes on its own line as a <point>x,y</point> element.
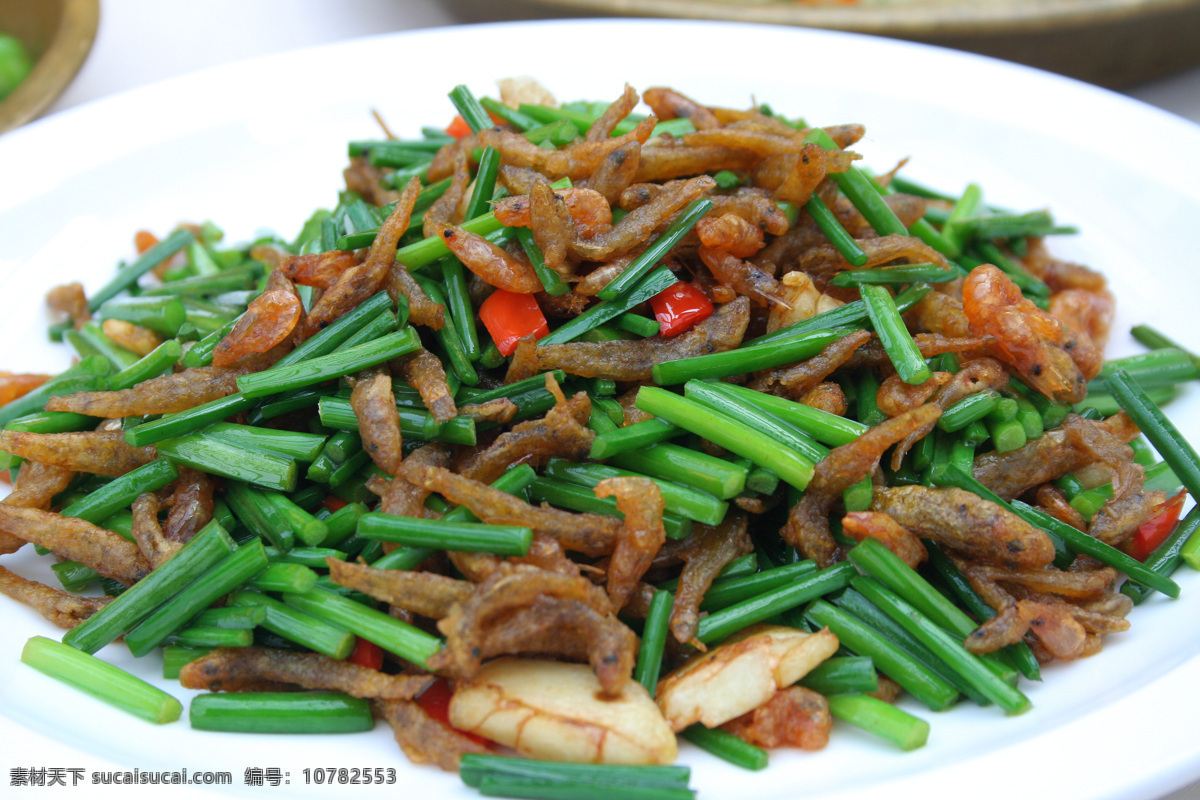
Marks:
<point>58,35</point>
<point>1114,43</point>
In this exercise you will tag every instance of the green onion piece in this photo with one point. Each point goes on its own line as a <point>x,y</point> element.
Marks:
<point>1099,405</point>
<point>1028,283</point>
<point>577,497</point>
<point>336,412</point>
<point>284,578</point>
<point>311,557</point>
<point>633,437</point>
<point>726,746</point>
<point>129,275</point>
<point>868,613</point>
<point>296,626</point>
<point>508,114</point>
<point>406,641</point>
<point>638,325</point>
<point>1006,436</point>
<point>649,257</point>
<point>280,712</point>
<point>683,500</point>
<point>74,576</point>
<point>151,365</point>
<point>744,359</point>
<point>892,660</point>
<point>859,189</point>
<point>1159,430</point>
<point>885,566</point>
<point>550,279</point>
<point>867,391</point>
<point>470,109</point>
<point>967,665</point>
<point>176,657</point>
<point>229,280</point>
<point>182,423</point>
<point>719,624</point>
<point>342,523</point>
<point>1080,542</point>
<point>162,315</point>
<point>459,300</point>
<point>857,497</point>
<point>208,454</point>
<point>887,276</point>
<point>710,394</point>
<point>579,780</point>
<point>725,593</point>
<point>654,283</point>
<point>238,618</point>
<point>1020,653</point>
<point>1154,339</point>
<point>101,680</point>
<point>882,719</point>
<point>852,314</point>
<point>760,480</point>
<point>741,567</point>
<point>203,551</point>
<point>334,336</point>
<point>972,408</point>
<point>119,493</point>
<point>688,467</point>
<point>334,365</point>
<point>229,574</point>
<point>842,675</point>
<point>288,444</point>
<point>200,354</point>
<point>197,636</point>
<point>100,343</point>
<point>274,516</point>
<point>52,422</point>
<point>894,335</point>
<point>472,537</point>
<point>448,338</point>
<point>837,235</point>
<point>968,205</point>
<point>829,429</point>
<point>654,638</point>
<point>730,433</point>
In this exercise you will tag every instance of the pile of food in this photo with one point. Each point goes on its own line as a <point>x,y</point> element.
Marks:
<point>571,429</point>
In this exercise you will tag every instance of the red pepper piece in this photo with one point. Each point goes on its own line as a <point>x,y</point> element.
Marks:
<point>366,654</point>
<point>1154,532</point>
<point>679,307</point>
<point>510,317</point>
<point>334,503</point>
<point>458,127</point>
<point>436,702</point>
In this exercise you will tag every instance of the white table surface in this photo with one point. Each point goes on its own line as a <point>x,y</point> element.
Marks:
<point>144,41</point>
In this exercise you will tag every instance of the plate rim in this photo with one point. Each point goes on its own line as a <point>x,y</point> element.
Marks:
<point>74,116</point>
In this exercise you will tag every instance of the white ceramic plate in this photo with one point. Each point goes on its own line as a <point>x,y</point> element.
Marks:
<point>262,143</point>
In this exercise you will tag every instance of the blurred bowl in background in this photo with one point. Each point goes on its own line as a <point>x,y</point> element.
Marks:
<point>58,35</point>
<point>1112,43</point>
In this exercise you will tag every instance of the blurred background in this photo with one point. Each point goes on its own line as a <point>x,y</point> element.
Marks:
<point>82,50</point>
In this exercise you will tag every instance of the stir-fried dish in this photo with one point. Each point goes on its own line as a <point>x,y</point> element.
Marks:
<point>572,429</point>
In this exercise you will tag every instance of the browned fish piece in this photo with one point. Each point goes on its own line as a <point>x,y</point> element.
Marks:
<point>231,669</point>
<point>64,609</point>
<point>77,540</point>
<point>97,452</point>
<point>425,593</point>
<point>965,522</point>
